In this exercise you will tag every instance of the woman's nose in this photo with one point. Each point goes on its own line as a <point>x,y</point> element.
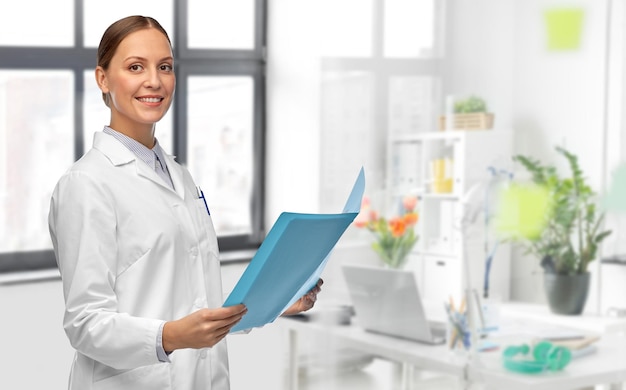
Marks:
<point>153,79</point>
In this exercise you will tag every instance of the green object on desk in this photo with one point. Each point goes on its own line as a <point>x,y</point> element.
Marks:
<point>545,357</point>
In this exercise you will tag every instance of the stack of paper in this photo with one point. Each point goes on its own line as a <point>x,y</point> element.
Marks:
<point>579,346</point>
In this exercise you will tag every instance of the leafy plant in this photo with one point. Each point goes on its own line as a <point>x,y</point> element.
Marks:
<point>571,236</point>
<point>471,104</point>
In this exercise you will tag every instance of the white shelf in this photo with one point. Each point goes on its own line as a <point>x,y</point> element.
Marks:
<point>433,196</point>
<point>468,155</point>
<point>440,135</point>
<point>447,255</point>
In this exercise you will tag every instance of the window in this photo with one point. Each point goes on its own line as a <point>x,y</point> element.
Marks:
<point>383,75</point>
<point>50,107</point>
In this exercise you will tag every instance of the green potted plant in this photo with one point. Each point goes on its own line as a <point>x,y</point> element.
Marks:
<point>571,233</point>
<point>469,105</point>
<point>470,113</point>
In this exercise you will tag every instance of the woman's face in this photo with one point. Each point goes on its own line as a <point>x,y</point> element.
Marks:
<point>140,81</point>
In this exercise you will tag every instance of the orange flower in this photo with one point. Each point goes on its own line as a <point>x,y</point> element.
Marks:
<point>395,236</point>
<point>411,219</point>
<point>397,227</point>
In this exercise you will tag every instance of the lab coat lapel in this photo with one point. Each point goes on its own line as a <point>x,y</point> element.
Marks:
<point>176,173</point>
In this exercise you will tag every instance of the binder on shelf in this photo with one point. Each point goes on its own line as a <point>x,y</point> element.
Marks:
<point>290,261</point>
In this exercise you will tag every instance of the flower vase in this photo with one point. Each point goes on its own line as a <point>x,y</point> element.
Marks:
<point>394,262</point>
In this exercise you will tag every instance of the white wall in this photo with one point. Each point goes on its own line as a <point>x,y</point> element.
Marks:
<point>35,352</point>
<point>550,98</point>
<point>479,54</point>
<point>293,109</point>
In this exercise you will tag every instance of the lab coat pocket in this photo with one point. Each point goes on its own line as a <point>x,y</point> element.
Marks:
<point>152,377</point>
<point>207,230</point>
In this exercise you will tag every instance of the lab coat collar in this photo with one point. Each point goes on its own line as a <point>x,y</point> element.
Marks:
<point>118,154</point>
<point>176,173</point>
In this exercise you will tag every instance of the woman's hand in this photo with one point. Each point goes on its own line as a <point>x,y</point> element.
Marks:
<point>201,329</point>
<point>306,302</point>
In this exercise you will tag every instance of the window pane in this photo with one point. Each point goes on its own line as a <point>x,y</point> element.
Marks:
<point>409,28</point>
<point>97,115</point>
<point>413,103</point>
<point>219,143</point>
<point>98,17</point>
<point>342,39</point>
<point>36,147</point>
<point>52,24</point>
<point>216,24</point>
<point>349,136</point>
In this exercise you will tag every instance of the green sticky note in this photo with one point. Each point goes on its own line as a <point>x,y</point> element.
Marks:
<point>564,28</point>
<point>615,199</point>
<point>522,210</point>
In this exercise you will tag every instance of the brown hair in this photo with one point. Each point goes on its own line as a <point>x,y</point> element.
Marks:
<point>119,30</point>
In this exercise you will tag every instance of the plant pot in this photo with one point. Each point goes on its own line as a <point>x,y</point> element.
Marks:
<point>567,294</point>
<point>469,121</point>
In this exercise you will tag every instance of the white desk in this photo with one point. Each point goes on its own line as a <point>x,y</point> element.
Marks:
<point>606,366</point>
<point>409,354</point>
<point>586,322</point>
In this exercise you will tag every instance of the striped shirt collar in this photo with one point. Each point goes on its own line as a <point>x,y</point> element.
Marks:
<point>140,150</point>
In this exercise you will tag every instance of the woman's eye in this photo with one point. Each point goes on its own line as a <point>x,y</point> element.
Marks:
<point>135,68</point>
<point>166,67</point>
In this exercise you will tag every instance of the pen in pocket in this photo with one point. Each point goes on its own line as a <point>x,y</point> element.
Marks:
<point>201,196</point>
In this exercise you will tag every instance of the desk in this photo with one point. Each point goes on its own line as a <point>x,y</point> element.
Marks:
<point>585,322</point>
<point>408,353</point>
<point>607,365</point>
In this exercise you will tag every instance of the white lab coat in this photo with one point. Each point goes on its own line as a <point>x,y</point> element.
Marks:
<point>133,253</point>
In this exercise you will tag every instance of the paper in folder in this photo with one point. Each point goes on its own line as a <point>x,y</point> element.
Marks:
<point>290,261</point>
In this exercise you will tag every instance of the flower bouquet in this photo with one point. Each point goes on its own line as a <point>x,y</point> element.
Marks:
<point>394,237</point>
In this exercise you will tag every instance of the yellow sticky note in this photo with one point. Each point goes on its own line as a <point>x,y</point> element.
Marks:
<point>522,211</point>
<point>564,28</point>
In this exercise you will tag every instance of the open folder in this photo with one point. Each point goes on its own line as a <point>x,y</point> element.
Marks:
<point>290,261</point>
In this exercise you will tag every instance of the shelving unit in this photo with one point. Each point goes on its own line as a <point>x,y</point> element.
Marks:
<point>466,157</point>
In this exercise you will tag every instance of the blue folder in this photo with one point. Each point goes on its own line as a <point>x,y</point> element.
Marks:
<point>290,261</point>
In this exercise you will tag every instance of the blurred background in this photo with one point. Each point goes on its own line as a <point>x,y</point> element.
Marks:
<point>279,103</point>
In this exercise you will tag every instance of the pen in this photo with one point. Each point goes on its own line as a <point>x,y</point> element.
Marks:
<point>201,196</point>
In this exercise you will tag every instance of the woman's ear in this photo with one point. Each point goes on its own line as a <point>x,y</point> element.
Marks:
<point>101,79</point>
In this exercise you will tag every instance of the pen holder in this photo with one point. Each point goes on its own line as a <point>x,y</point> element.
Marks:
<point>458,336</point>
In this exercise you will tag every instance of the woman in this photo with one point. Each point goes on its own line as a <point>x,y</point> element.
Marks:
<point>133,240</point>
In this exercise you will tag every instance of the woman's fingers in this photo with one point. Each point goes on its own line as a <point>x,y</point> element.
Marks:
<point>203,328</point>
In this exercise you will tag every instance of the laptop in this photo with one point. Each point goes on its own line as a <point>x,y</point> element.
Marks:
<point>387,301</point>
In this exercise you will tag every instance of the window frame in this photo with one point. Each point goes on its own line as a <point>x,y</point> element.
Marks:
<point>189,62</point>
<point>383,69</point>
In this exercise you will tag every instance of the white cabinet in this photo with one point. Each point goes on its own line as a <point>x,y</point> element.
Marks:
<point>441,168</point>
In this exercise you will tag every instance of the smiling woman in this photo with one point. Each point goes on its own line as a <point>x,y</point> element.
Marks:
<point>134,239</point>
